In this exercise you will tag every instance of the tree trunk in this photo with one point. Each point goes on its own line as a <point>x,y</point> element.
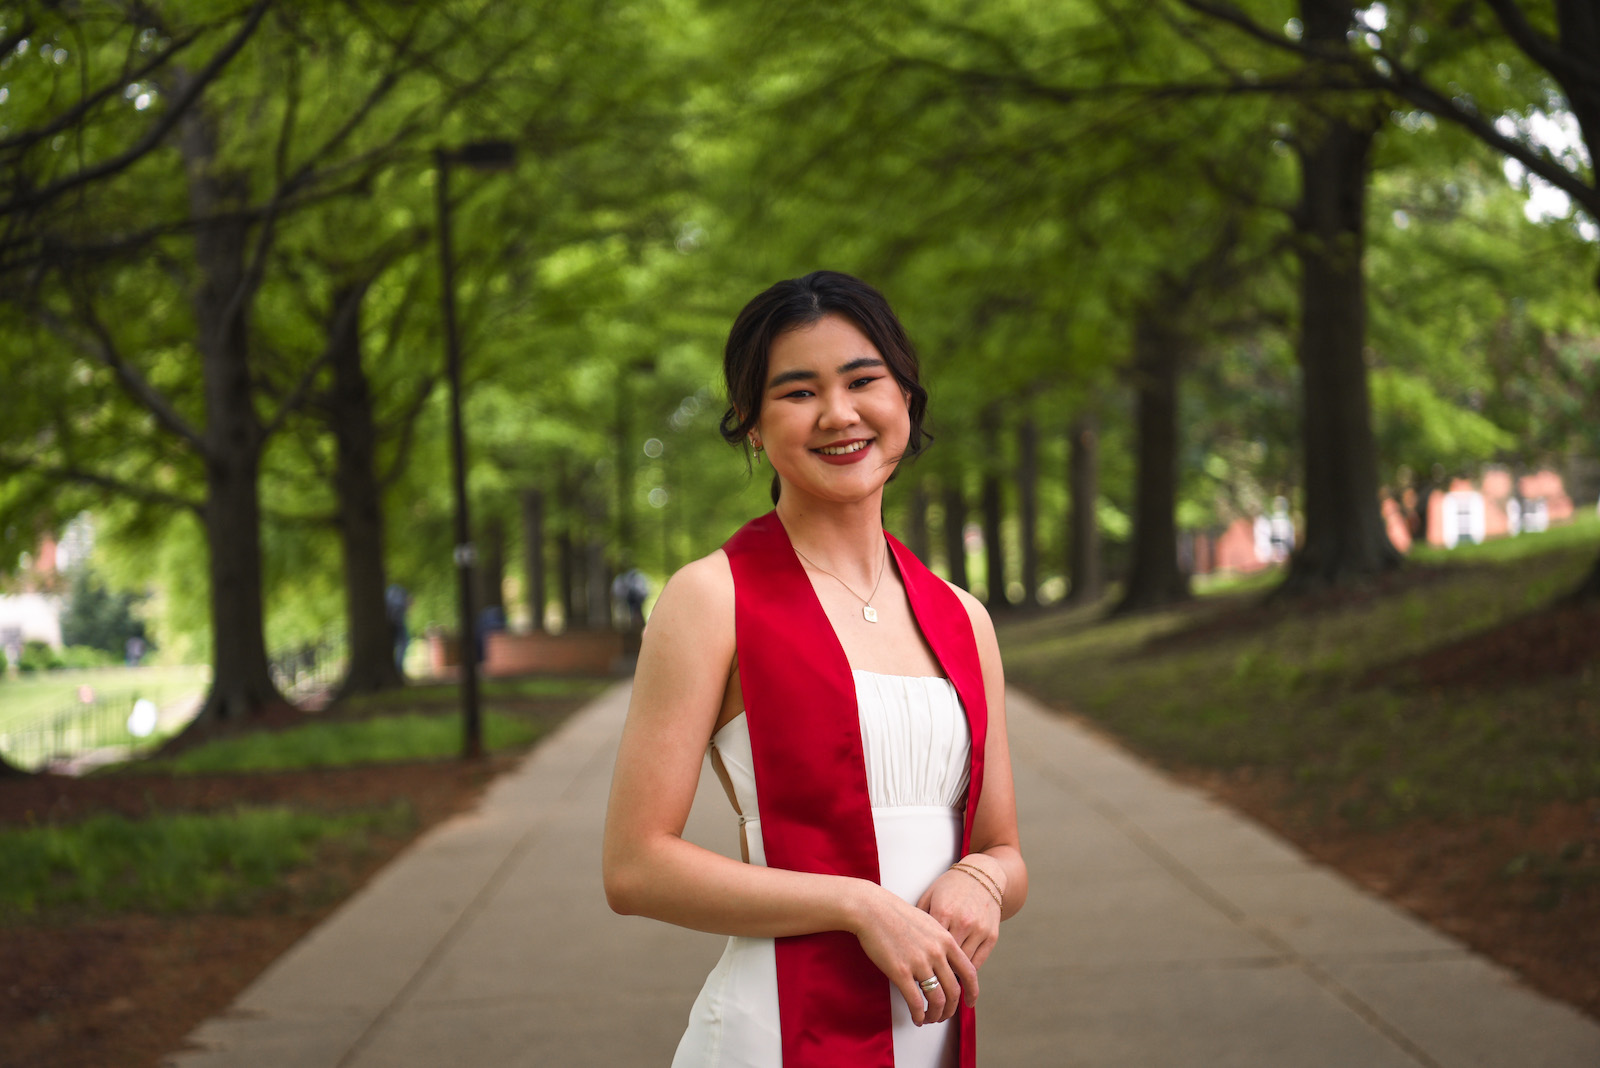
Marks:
<point>1083,526</point>
<point>492,564</point>
<point>240,683</point>
<point>1345,540</point>
<point>574,597</point>
<point>955,531</point>
<point>994,558</point>
<point>567,561</point>
<point>360,504</point>
<point>1028,507</point>
<point>1578,26</point>
<point>597,584</point>
<point>1154,578</point>
<point>533,554</point>
<point>917,521</point>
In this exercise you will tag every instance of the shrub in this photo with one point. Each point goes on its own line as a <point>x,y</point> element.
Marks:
<point>38,656</point>
<point>86,656</point>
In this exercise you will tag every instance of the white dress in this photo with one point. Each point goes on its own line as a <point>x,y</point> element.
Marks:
<point>916,742</point>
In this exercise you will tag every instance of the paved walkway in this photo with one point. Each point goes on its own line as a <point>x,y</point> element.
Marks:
<point>1160,930</point>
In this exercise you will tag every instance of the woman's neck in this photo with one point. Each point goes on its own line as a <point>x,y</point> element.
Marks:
<point>845,539</point>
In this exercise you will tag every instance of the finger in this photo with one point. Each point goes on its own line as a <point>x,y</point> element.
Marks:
<point>967,976</point>
<point>939,999</point>
<point>914,1000</point>
<point>981,954</point>
<point>949,992</point>
<point>926,899</point>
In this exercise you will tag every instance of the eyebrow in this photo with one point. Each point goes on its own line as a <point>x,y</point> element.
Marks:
<point>801,375</point>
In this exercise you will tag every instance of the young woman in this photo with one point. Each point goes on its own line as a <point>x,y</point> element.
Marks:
<point>854,707</point>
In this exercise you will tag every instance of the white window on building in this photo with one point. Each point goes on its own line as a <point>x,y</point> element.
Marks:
<point>1282,530</point>
<point>1462,518</point>
<point>1535,516</point>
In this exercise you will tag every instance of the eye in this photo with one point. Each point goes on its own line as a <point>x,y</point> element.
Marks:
<point>798,393</point>
<point>865,380</point>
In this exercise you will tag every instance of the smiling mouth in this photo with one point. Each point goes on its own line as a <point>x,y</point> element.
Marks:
<point>843,450</point>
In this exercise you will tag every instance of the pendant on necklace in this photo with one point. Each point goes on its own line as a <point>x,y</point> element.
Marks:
<point>871,613</point>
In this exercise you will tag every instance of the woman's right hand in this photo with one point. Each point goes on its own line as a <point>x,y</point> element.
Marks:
<point>908,946</point>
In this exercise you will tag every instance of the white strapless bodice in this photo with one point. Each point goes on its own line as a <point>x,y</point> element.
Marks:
<point>916,742</point>
<point>913,734</point>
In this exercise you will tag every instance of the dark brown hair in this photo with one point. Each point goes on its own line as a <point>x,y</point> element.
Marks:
<point>796,303</point>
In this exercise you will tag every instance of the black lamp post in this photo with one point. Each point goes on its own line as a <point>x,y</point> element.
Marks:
<point>480,155</point>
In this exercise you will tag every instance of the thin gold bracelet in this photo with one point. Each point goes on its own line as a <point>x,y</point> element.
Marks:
<point>974,869</point>
<point>982,879</point>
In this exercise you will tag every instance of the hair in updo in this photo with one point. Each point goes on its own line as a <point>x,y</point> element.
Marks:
<point>796,303</point>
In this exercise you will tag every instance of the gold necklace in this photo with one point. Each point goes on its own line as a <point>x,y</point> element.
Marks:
<point>867,611</point>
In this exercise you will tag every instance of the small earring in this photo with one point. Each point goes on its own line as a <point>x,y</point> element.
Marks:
<point>755,443</point>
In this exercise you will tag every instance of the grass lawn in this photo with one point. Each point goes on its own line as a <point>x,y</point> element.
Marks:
<point>1224,684</point>
<point>435,694</point>
<point>139,900</point>
<point>30,697</point>
<point>184,862</point>
<point>1435,737</point>
<point>378,739</point>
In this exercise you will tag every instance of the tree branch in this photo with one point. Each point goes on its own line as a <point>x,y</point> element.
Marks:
<point>408,425</point>
<point>102,348</point>
<point>1541,49</point>
<point>72,473</point>
<point>1408,85</point>
<point>92,100</point>
<point>153,136</point>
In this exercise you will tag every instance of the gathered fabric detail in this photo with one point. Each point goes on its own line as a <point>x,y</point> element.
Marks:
<point>914,736</point>
<point>916,740</point>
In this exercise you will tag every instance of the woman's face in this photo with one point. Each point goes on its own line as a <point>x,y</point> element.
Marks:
<point>834,421</point>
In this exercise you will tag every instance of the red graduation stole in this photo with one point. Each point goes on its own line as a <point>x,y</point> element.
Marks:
<point>811,780</point>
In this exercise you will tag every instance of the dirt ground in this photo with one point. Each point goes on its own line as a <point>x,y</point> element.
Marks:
<point>1523,890</point>
<point>122,991</point>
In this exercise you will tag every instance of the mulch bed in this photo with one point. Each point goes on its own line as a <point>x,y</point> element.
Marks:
<point>122,991</point>
<point>1554,641</point>
<point>1244,614</point>
<point>1523,890</point>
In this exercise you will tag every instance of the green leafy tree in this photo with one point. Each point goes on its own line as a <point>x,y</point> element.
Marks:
<point>97,617</point>
<point>1503,72</point>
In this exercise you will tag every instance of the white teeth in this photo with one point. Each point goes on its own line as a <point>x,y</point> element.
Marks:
<point>841,450</point>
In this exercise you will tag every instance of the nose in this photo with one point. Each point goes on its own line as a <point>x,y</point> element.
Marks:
<point>838,410</point>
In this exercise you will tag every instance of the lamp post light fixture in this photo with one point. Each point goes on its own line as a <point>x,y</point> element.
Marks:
<point>479,155</point>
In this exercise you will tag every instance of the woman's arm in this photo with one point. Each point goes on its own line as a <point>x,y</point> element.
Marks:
<point>963,902</point>
<point>649,870</point>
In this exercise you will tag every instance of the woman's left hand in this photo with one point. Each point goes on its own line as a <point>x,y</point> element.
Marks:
<point>967,910</point>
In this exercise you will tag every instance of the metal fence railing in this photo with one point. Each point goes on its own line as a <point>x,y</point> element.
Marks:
<point>299,671</point>
<point>78,729</point>
<point>310,667</point>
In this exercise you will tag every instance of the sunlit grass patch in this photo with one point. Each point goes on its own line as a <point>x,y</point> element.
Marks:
<point>434,695</point>
<point>340,743</point>
<point>1582,532</point>
<point>1295,693</point>
<point>31,697</point>
<point>175,863</point>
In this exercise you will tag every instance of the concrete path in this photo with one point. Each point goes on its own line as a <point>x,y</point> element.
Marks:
<point>1161,930</point>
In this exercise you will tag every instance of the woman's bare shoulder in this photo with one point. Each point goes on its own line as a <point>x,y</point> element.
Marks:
<point>706,582</point>
<point>982,625</point>
<point>698,600</point>
<point>687,647</point>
